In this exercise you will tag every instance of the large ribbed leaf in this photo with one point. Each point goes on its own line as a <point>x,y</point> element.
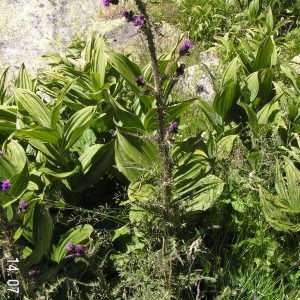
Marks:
<point>40,133</point>
<point>190,169</point>
<point>287,185</point>
<point>254,9</point>
<point>56,110</point>
<point>209,189</point>
<point>128,119</point>
<point>76,125</point>
<point>23,80</point>
<point>266,54</point>
<point>252,85</point>
<point>50,152</point>
<point>125,68</point>
<point>19,182</point>
<point>252,118</point>
<point>35,107</point>
<point>98,64</point>
<point>42,234</point>
<point>95,161</point>
<point>231,72</point>
<point>225,98</point>
<point>224,146</point>
<point>214,119</point>
<point>135,155</point>
<point>268,112</point>
<point>266,84</point>
<point>274,209</point>
<point>2,85</point>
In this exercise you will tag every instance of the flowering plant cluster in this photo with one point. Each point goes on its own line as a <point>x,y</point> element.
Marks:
<point>137,20</point>
<point>75,249</point>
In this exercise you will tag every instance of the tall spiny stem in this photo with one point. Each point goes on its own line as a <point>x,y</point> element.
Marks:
<point>161,113</point>
<point>163,145</point>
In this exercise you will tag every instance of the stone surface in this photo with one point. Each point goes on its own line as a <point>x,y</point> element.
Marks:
<point>31,28</point>
<point>197,81</point>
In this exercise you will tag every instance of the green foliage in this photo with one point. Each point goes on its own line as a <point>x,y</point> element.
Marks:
<point>213,214</point>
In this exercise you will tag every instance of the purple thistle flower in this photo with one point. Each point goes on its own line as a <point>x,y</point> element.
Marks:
<point>188,44</point>
<point>5,185</point>
<point>70,247</point>
<point>173,128</point>
<point>140,81</point>
<point>80,249</point>
<point>1,153</point>
<point>138,20</point>
<point>105,2</point>
<point>23,206</point>
<point>185,47</point>
<point>33,272</point>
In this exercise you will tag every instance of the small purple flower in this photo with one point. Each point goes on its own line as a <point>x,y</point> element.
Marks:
<point>70,247</point>
<point>33,272</point>
<point>139,20</point>
<point>1,153</point>
<point>5,185</point>
<point>105,2</point>
<point>23,206</point>
<point>80,249</point>
<point>173,128</point>
<point>185,47</point>
<point>140,81</point>
<point>129,15</point>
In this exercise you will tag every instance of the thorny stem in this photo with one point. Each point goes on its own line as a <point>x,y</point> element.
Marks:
<point>162,141</point>
<point>161,114</point>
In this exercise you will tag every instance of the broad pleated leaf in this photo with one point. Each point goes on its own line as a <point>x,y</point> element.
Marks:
<point>42,234</point>
<point>36,108</point>
<point>76,125</point>
<point>135,155</point>
<point>39,133</point>
<point>95,161</point>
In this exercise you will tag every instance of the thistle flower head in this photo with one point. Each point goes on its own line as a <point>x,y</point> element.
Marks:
<point>105,2</point>
<point>23,206</point>
<point>70,247</point>
<point>185,47</point>
<point>139,20</point>
<point>140,81</point>
<point>173,128</point>
<point>33,272</point>
<point>80,249</point>
<point>5,185</point>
